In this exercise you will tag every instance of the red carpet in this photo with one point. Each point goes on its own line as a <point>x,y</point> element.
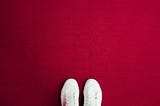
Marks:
<point>44,42</point>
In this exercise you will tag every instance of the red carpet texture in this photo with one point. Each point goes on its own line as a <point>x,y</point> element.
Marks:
<point>44,42</point>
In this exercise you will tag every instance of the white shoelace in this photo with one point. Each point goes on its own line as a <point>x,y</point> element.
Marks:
<point>92,101</point>
<point>69,100</point>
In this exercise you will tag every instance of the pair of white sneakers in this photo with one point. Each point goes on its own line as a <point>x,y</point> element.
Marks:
<point>70,93</point>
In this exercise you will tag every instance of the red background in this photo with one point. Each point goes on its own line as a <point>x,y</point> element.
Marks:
<point>44,42</point>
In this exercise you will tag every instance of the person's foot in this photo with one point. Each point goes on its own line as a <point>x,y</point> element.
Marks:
<point>70,93</point>
<point>92,93</point>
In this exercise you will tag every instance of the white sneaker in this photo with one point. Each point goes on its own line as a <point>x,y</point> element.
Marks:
<point>70,93</point>
<point>92,93</point>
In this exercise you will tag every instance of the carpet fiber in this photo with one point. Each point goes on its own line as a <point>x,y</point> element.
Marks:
<point>44,42</point>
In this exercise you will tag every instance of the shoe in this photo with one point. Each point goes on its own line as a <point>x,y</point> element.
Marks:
<point>92,93</point>
<point>70,93</point>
